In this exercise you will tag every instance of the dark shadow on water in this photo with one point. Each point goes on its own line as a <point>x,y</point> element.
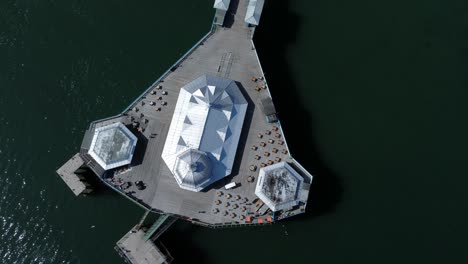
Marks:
<point>99,188</point>
<point>180,245</point>
<point>278,29</point>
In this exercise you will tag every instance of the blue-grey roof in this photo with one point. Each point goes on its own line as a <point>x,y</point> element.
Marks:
<point>193,169</point>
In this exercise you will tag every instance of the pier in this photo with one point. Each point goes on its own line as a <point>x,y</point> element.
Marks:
<point>137,250</point>
<point>69,174</point>
<point>207,122</point>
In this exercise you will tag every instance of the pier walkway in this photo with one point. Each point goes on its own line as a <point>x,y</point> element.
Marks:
<point>226,52</point>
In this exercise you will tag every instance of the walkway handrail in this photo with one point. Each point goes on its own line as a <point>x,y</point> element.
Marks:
<point>164,75</point>
<point>155,226</point>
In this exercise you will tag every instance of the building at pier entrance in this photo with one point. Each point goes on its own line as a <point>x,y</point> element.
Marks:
<point>204,132</point>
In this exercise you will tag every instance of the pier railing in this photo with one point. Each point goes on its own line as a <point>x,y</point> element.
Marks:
<point>175,65</point>
<point>164,75</point>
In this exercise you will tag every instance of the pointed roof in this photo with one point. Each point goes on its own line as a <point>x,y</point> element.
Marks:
<point>222,4</point>
<point>193,170</point>
<point>254,12</point>
<point>208,117</point>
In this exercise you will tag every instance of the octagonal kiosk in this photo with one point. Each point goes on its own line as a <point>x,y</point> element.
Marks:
<point>279,186</point>
<point>112,146</point>
<point>193,170</point>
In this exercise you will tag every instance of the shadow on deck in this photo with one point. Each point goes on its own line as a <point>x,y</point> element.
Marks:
<point>231,14</point>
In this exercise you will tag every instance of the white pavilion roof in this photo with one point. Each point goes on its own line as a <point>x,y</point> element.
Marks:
<point>254,11</point>
<point>278,186</point>
<point>112,146</point>
<point>208,117</point>
<point>222,4</point>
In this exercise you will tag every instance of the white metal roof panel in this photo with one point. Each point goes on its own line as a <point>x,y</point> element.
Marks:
<point>222,4</point>
<point>254,11</point>
<point>208,117</point>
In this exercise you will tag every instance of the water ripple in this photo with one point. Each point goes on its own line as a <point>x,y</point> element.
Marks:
<point>25,234</point>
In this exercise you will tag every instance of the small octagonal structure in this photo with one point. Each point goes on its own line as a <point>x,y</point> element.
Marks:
<point>112,146</point>
<point>278,186</point>
<point>193,170</point>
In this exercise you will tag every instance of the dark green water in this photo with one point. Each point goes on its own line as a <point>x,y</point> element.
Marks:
<point>372,95</point>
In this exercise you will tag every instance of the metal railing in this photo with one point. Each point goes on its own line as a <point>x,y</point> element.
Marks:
<point>177,63</point>
<point>164,75</point>
<point>155,226</point>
